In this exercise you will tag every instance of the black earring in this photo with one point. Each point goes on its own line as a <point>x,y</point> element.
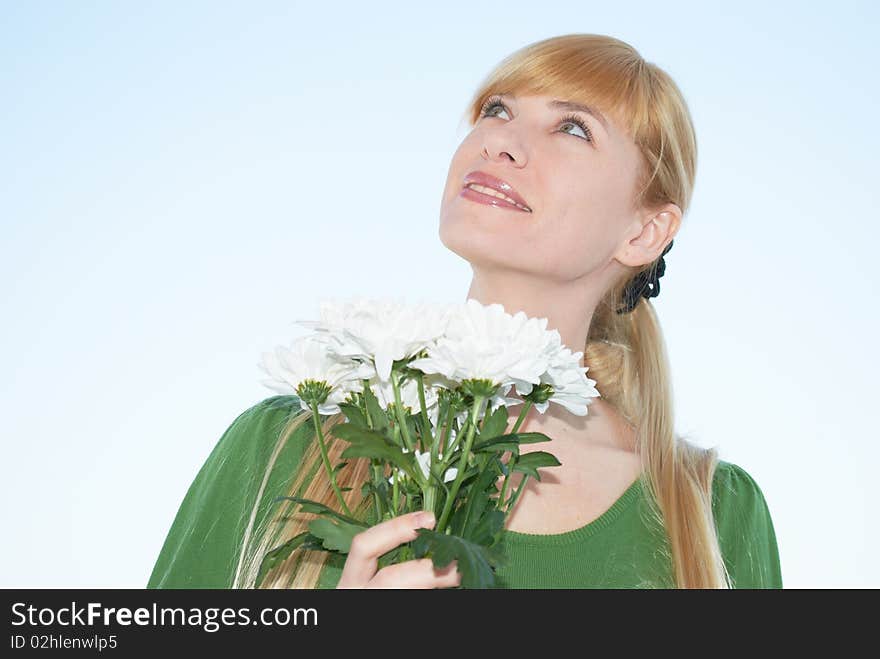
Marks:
<point>645,284</point>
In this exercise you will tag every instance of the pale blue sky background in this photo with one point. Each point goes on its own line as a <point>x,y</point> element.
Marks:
<point>170,202</point>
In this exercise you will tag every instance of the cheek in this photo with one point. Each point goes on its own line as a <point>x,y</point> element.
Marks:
<point>458,168</point>
<point>578,229</point>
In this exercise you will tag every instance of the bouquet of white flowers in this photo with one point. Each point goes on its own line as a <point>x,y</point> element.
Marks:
<point>423,389</point>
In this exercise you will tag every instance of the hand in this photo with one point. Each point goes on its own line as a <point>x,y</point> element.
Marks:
<point>367,546</point>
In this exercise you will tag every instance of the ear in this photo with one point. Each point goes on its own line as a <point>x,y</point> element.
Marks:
<point>650,235</point>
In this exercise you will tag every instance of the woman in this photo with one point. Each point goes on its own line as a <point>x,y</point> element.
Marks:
<point>564,198</point>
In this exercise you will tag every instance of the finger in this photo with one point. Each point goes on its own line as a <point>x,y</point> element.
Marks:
<point>369,544</point>
<point>447,576</point>
<point>417,574</point>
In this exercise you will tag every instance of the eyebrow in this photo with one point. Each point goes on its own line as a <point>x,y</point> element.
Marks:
<point>575,107</point>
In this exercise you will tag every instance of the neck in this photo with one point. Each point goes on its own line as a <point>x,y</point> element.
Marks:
<point>567,306</point>
<point>602,427</point>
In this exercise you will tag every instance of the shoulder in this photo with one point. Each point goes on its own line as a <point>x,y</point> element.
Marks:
<point>254,431</point>
<point>202,546</point>
<point>732,483</point>
<point>269,413</point>
<point>736,496</point>
<point>745,528</point>
<point>252,446</point>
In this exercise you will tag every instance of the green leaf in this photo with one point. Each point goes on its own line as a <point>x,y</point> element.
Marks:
<point>373,444</point>
<point>494,424</point>
<point>458,517</point>
<point>411,427</point>
<point>339,466</point>
<point>475,562</point>
<point>496,445</point>
<point>528,463</point>
<point>469,473</point>
<point>376,414</point>
<point>336,536</point>
<point>532,437</point>
<point>382,490</point>
<point>476,503</point>
<point>354,414</point>
<point>517,438</point>
<point>485,482</point>
<point>490,524</point>
<point>309,506</point>
<point>277,555</point>
<point>477,499</point>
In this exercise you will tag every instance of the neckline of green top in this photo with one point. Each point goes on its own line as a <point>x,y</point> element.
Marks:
<point>581,533</point>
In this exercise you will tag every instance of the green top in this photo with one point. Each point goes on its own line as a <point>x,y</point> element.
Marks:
<point>619,549</point>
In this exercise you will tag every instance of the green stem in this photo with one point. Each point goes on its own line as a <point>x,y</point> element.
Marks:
<point>439,447</point>
<point>512,462</point>
<point>398,410</point>
<point>377,480</point>
<point>447,428</point>
<point>522,415</point>
<point>462,465</point>
<point>516,494</point>
<point>426,421</point>
<point>320,435</point>
<point>376,467</point>
<point>430,494</point>
<point>407,440</point>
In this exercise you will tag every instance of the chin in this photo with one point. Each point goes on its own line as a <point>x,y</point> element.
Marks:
<point>454,234</point>
<point>462,214</point>
<point>467,236</point>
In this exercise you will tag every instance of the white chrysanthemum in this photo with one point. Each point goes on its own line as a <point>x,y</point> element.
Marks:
<point>486,342</point>
<point>380,329</point>
<point>424,462</point>
<point>571,387</point>
<point>513,350</point>
<point>309,358</point>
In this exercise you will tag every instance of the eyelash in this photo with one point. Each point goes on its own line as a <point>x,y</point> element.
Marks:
<point>569,118</point>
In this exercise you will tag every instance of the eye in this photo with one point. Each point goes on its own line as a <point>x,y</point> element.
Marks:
<point>580,123</point>
<point>495,101</point>
<point>491,103</point>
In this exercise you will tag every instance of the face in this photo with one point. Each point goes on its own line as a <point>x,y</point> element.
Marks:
<point>577,181</point>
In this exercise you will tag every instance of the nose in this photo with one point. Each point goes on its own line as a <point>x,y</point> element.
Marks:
<point>500,145</point>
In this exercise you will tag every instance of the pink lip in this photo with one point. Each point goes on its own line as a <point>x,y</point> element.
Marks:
<point>489,181</point>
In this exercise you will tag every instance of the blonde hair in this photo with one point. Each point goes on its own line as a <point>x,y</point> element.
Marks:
<point>625,352</point>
